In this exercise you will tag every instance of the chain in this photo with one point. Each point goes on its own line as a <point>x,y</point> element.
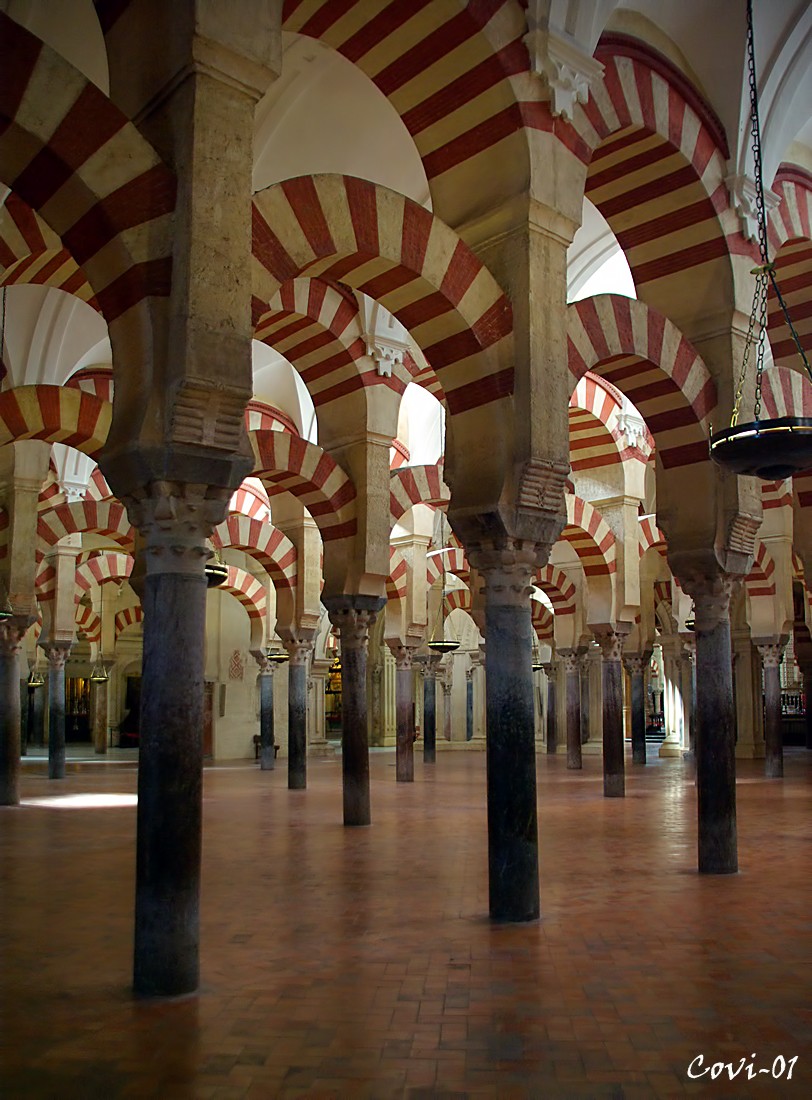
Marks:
<point>765,272</point>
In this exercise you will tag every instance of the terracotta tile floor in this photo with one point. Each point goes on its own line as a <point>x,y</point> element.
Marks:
<point>360,963</point>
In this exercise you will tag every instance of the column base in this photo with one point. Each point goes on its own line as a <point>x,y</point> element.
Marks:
<point>318,749</point>
<point>670,748</point>
<point>614,786</point>
<point>750,752</point>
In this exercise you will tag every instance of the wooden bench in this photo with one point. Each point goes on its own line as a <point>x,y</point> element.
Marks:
<point>258,746</point>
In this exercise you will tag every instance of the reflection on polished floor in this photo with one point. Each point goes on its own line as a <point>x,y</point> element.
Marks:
<point>359,963</point>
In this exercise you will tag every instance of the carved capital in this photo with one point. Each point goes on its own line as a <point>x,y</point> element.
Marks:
<point>711,594</point>
<point>403,655</point>
<point>385,353</point>
<point>742,189</point>
<point>353,625</point>
<point>507,571</point>
<point>299,649</point>
<point>57,654</point>
<point>772,654</point>
<point>175,519</point>
<point>635,665</point>
<point>12,632</point>
<point>540,498</point>
<point>611,639</point>
<point>570,659</point>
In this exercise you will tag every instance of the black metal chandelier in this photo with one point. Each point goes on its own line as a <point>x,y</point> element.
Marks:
<point>778,448</point>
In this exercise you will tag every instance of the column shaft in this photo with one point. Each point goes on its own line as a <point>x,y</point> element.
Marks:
<point>773,737</point>
<point>430,719</point>
<point>404,705</point>
<point>552,709</point>
<point>511,764</point>
<point>585,665</point>
<point>297,723</point>
<point>574,762</point>
<point>267,753</point>
<point>170,785</point>
<point>635,667</point>
<point>11,636</point>
<point>715,750</point>
<point>56,714</point>
<point>614,772</point>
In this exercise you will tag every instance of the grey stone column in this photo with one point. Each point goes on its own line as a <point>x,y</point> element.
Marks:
<point>99,703</point>
<point>300,650</point>
<point>584,664</point>
<point>174,520</point>
<point>57,654</point>
<point>690,657</point>
<point>715,734</point>
<point>404,709</point>
<point>267,741</point>
<point>430,712</point>
<point>354,616</point>
<point>551,726</point>
<point>635,666</point>
<point>511,755</point>
<point>614,770</point>
<point>772,654</point>
<point>570,659</point>
<point>12,632</point>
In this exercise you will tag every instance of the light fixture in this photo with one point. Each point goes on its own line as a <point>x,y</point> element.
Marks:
<point>98,674</point>
<point>537,664</point>
<point>216,570</point>
<point>769,449</point>
<point>438,642</point>
<point>6,610</point>
<point>35,678</point>
<point>276,656</point>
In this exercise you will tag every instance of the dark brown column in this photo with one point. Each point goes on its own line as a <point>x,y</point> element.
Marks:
<point>267,739</point>
<point>99,704</point>
<point>511,753</point>
<point>12,632</point>
<point>636,666</point>
<point>614,772</point>
<point>551,672</point>
<point>404,711</point>
<point>57,654</point>
<point>771,656</point>
<point>430,711</point>
<point>690,657</point>
<point>300,650</point>
<point>570,659</point>
<point>715,735</point>
<point>584,664</point>
<point>353,616</point>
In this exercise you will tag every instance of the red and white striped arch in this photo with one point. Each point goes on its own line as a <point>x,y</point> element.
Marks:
<point>399,254</point>
<point>398,579</point>
<point>54,414</point>
<point>543,622</point>
<point>410,485</point>
<point>447,70</point>
<point>760,581</point>
<point>785,392</point>
<point>790,237</point>
<point>590,536</point>
<point>455,562</point>
<point>95,380</point>
<point>657,158</point>
<point>595,436</point>
<point>107,518</point>
<point>645,356</point>
<point>102,188</point>
<point>31,253</point>
<point>776,494</point>
<point>97,488</point>
<point>265,544</point>
<point>128,617</point>
<point>287,463</point>
<point>458,599</point>
<point>558,588</point>
<point>649,534</point>
<point>88,623</point>
<point>101,569</point>
<point>251,500</point>
<point>261,416</point>
<point>251,594</point>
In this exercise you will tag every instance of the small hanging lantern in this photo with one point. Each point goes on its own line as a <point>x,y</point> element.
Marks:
<point>216,570</point>
<point>98,674</point>
<point>438,642</point>
<point>537,663</point>
<point>778,448</point>
<point>35,678</point>
<point>275,655</point>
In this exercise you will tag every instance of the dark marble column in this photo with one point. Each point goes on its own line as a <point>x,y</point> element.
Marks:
<point>430,712</point>
<point>100,711</point>
<point>267,742</point>
<point>354,616</point>
<point>12,632</point>
<point>715,734</point>
<point>300,650</point>
<point>690,657</point>
<point>636,666</point>
<point>551,672</point>
<point>570,659</point>
<point>511,753</point>
<point>584,664</point>
<point>771,656</point>
<point>173,520</point>
<point>614,770</point>
<point>404,713</point>
<point>57,654</point>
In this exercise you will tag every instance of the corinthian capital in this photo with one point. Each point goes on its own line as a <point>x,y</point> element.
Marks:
<point>175,519</point>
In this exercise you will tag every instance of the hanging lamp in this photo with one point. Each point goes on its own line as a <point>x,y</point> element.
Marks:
<point>778,448</point>
<point>35,677</point>
<point>98,674</point>
<point>216,570</point>
<point>275,655</point>
<point>537,664</point>
<point>438,642</point>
